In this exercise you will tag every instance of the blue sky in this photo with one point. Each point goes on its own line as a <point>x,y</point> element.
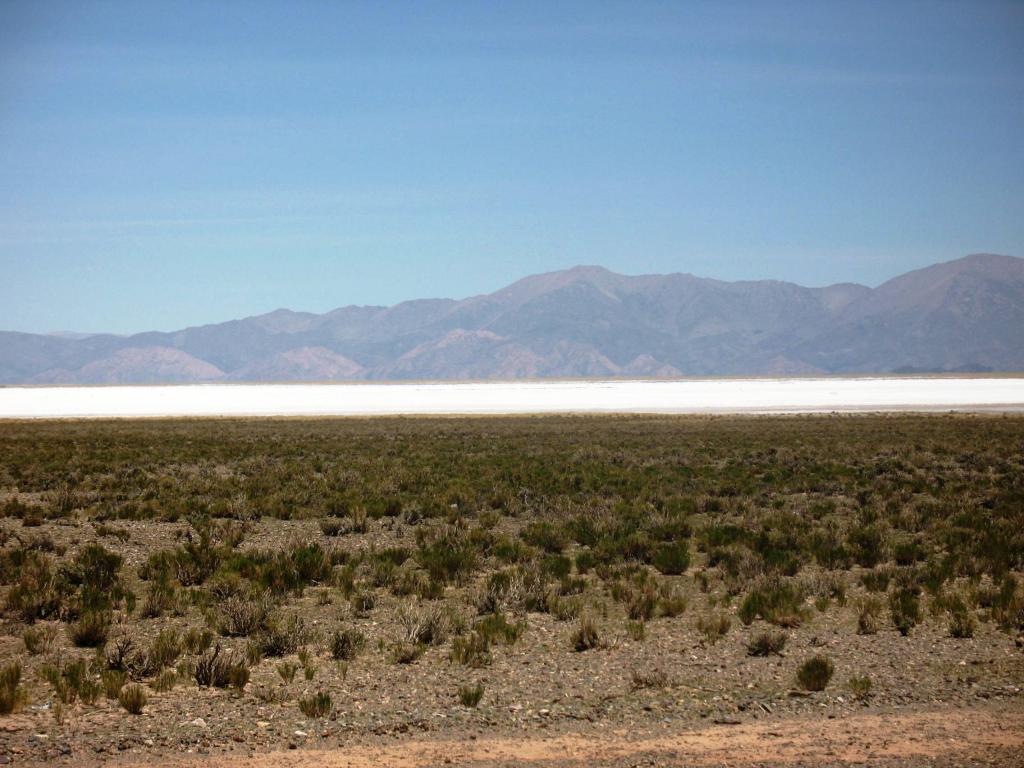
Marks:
<point>171,165</point>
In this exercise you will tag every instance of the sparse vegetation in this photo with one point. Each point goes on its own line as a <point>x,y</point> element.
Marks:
<point>132,698</point>
<point>316,706</point>
<point>275,558</point>
<point>815,673</point>
<point>767,644</point>
<point>470,695</point>
<point>12,695</point>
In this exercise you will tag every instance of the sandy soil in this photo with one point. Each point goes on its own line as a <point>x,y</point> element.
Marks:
<point>990,735</point>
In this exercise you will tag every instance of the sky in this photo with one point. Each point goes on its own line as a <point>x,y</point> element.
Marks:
<point>167,165</point>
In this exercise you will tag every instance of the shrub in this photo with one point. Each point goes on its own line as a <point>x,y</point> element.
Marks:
<point>472,650</point>
<point>196,641</point>
<point>961,623</point>
<point>214,670</point>
<point>161,597</point>
<point>448,555</point>
<point>163,651</point>
<point>316,706</point>
<point>876,580</point>
<point>905,608</point>
<point>777,602</point>
<point>284,638</point>
<point>766,644</point>
<point>470,695</point>
<point>38,593</point>
<point>546,535</point>
<point>860,687</point>
<point>362,603</point>
<point>640,604</point>
<point>286,671</point>
<point>671,604</point>
<point>38,639</point>
<point>867,544</point>
<point>815,673</point>
<point>714,627</point>
<point>242,617</point>
<point>672,558</point>
<point>91,630</point>
<point>406,653</point>
<point>869,616</point>
<point>496,628</point>
<point>333,526</point>
<point>346,644</point>
<point>428,627</point>
<point>585,637</point>
<point>66,680</point>
<point>238,676</point>
<point>112,680</point>
<point>12,695</point>
<point>654,678</point>
<point>165,681</point>
<point>636,630</point>
<point>132,698</point>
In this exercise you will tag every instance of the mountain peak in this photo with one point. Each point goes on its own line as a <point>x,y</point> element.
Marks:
<point>586,320</point>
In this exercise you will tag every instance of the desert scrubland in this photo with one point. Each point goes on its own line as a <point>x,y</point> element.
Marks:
<point>615,590</point>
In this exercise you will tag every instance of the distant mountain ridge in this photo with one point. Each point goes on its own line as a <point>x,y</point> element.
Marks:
<point>962,315</point>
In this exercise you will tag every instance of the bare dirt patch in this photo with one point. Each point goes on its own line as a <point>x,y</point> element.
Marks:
<point>944,737</point>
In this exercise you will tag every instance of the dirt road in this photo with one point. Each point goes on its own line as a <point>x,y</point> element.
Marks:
<point>992,736</point>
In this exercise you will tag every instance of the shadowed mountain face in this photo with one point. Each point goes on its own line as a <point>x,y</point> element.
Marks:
<point>586,321</point>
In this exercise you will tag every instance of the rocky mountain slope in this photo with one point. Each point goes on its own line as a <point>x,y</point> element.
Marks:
<point>966,314</point>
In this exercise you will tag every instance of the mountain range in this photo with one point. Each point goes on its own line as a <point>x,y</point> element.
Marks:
<point>962,315</point>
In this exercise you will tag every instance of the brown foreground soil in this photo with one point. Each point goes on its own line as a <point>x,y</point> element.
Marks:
<point>981,736</point>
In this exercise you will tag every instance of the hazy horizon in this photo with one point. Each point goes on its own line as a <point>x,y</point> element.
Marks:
<point>74,332</point>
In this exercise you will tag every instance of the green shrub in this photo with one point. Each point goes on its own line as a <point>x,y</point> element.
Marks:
<point>472,650</point>
<point>585,637</point>
<point>91,629</point>
<point>132,698</point>
<point>316,706</point>
<point>213,670</point>
<point>636,630</point>
<point>876,580</point>
<point>470,695</point>
<point>281,638</point>
<point>905,609</point>
<point>766,644</point>
<point>672,557</point>
<point>406,653</point>
<point>286,671</point>
<point>867,544</point>
<point>860,687</point>
<point>242,617</point>
<point>448,556</point>
<point>869,616</point>
<point>713,627</point>
<point>112,681</point>
<point>546,535</point>
<point>777,602</point>
<point>12,695</point>
<point>37,593</point>
<point>165,681</point>
<point>961,623</point>
<point>815,673</point>
<point>238,676</point>
<point>38,640</point>
<point>67,680</point>
<point>346,644</point>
